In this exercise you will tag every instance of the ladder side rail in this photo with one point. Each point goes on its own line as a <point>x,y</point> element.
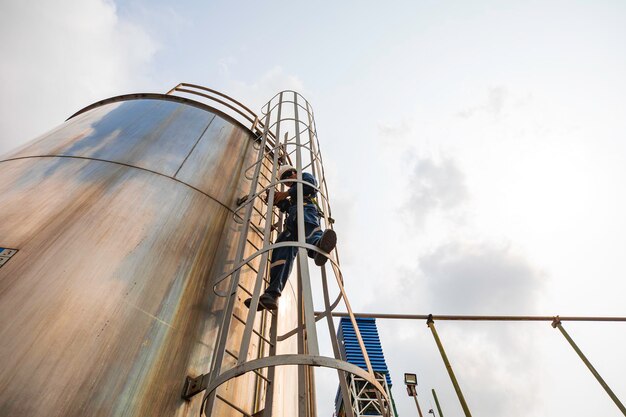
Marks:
<point>310,380</point>
<point>209,398</point>
<point>310,374</point>
<point>267,232</point>
<point>307,296</point>
<point>301,347</point>
<point>271,371</point>
<point>262,383</point>
<point>301,403</point>
<point>322,181</point>
<point>322,314</point>
<point>323,184</point>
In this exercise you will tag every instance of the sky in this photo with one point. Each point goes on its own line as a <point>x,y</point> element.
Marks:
<point>475,155</point>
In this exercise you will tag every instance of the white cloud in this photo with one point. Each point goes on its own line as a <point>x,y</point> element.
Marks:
<point>481,279</point>
<point>434,186</point>
<point>61,56</point>
<point>497,98</point>
<point>260,91</point>
<point>494,362</point>
<point>224,64</point>
<point>394,130</point>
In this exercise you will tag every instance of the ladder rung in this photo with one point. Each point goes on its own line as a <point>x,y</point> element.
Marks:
<point>256,229</point>
<point>256,371</point>
<point>261,214</point>
<point>249,265</point>
<point>242,321</point>
<point>252,244</point>
<point>231,354</point>
<point>268,179</point>
<point>267,281</point>
<point>245,289</point>
<point>232,405</point>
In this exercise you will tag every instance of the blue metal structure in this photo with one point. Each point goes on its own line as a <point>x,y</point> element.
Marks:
<point>350,345</point>
<point>351,352</point>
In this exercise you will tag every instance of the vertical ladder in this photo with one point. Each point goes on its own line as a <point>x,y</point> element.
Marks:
<point>288,136</point>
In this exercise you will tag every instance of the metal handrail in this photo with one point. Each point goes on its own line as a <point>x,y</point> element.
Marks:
<point>256,125</point>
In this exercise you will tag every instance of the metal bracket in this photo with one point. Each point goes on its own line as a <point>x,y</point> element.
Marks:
<point>6,254</point>
<point>194,386</point>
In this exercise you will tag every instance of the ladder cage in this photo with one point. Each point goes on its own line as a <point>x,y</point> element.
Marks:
<point>285,134</point>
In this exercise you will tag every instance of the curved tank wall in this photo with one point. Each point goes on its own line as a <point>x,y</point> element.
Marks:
<point>121,217</point>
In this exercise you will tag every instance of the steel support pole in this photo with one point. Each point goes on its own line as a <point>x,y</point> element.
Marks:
<point>417,404</point>
<point>343,385</point>
<point>557,325</point>
<point>437,403</point>
<point>457,388</point>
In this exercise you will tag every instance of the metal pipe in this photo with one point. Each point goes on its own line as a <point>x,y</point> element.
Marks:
<point>557,325</point>
<point>473,318</point>
<point>417,404</point>
<point>437,403</point>
<point>457,388</point>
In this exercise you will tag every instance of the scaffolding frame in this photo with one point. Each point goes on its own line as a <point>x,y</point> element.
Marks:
<point>555,322</point>
<point>363,398</point>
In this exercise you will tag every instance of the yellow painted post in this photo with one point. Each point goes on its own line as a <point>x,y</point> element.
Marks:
<point>437,403</point>
<point>557,325</point>
<point>457,388</point>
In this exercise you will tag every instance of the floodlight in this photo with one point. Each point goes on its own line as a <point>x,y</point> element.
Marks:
<point>410,379</point>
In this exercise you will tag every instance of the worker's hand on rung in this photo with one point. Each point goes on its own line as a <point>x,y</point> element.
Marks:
<point>280,196</point>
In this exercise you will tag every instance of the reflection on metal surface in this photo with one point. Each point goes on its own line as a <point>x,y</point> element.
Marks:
<point>122,215</point>
<point>136,252</point>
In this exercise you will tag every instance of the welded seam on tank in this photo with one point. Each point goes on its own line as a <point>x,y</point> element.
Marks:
<point>122,164</point>
<point>194,145</point>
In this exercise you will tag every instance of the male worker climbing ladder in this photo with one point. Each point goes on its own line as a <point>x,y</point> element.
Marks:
<point>283,257</point>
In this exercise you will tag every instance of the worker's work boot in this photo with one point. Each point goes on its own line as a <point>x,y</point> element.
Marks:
<point>266,302</point>
<point>326,243</point>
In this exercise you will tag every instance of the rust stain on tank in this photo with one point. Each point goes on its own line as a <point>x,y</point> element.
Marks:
<point>108,304</point>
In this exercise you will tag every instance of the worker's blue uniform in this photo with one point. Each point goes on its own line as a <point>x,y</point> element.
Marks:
<point>282,258</point>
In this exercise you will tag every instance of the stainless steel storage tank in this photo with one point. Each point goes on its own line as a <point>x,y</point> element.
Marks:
<point>120,217</point>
